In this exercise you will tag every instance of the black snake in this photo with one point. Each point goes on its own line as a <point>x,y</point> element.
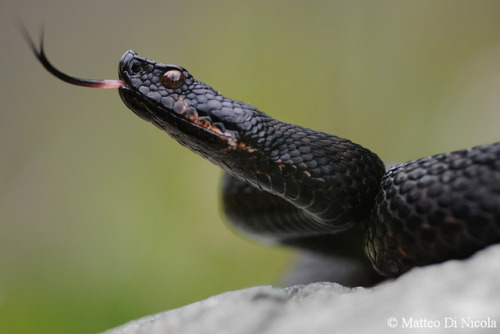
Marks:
<point>296,186</point>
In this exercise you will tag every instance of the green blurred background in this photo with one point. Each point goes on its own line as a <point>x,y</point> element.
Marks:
<point>104,218</point>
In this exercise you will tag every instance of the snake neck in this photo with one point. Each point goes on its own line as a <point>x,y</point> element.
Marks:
<point>331,179</point>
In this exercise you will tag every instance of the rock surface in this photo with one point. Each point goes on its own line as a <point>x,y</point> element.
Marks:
<point>453,297</point>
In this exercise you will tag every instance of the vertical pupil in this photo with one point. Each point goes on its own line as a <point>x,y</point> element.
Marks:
<point>173,79</point>
<point>174,75</point>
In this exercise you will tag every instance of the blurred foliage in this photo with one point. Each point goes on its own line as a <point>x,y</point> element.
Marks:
<point>104,219</point>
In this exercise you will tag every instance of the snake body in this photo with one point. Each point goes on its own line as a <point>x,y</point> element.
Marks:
<point>302,187</point>
<point>291,185</point>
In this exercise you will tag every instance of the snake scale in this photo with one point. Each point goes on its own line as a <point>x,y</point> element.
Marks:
<point>291,185</point>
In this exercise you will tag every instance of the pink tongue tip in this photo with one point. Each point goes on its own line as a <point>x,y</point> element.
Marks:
<point>110,84</point>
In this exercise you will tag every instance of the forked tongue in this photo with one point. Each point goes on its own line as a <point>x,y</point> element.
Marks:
<point>40,54</point>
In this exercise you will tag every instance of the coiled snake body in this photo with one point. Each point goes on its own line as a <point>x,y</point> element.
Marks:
<point>295,186</point>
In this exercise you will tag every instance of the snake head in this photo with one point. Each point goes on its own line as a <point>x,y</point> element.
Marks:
<point>192,112</point>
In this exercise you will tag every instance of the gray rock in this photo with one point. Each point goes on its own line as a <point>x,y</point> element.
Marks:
<point>455,296</point>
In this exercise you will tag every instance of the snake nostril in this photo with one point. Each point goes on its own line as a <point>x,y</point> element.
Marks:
<point>136,67</point>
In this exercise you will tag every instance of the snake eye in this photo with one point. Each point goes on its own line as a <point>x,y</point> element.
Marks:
<point>173,79</point>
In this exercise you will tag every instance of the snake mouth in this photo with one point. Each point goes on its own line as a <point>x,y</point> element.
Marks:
<point>178,120</point>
